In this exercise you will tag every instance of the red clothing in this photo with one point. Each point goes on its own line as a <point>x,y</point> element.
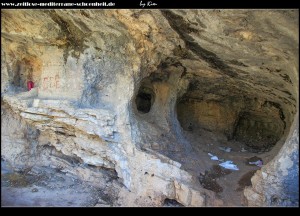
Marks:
<point>30,85</point>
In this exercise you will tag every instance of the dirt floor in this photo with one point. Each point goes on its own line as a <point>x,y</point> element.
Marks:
<point>48,187</point>
<point>228,184</point>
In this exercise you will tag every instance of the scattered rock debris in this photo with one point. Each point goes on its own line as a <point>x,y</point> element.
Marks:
<point>51,188</point>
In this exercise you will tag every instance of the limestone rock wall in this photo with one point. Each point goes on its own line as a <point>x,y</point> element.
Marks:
<point>89,66</point>
<point>277,184</point>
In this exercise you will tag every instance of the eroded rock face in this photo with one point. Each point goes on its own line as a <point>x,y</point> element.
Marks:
<point>277,184</point>
<point>135,96</point>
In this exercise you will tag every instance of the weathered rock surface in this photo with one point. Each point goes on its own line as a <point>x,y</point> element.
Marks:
<point>130,95</point>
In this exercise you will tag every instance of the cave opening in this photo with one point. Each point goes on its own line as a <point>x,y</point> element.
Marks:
<point>145,97</point>
<point>247,130</point>
<point>257,130</point>
<point>26,73</point>
<point>202,123</point>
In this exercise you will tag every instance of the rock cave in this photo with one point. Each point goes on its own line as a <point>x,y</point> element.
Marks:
<point>145,97</point>
<point>145,107</point>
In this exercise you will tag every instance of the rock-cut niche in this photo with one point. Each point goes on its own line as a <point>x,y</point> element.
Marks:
<point>145,97</point>
<point>258,127</point>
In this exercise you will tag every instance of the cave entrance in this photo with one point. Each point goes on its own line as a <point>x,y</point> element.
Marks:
<point>145,97</point>
<point>26,73</point>
<point>245,131</point>
<point>258,132</point>
<point>255,130</point>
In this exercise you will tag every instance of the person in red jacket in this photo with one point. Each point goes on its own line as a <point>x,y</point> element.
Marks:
<point>30,83</point>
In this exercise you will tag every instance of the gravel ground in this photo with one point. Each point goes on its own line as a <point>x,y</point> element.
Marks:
<point>48,187</point>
